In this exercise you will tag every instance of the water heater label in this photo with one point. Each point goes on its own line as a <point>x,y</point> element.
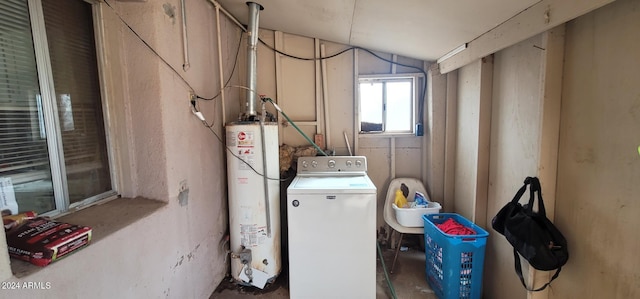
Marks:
<point>252,235</point>
<point>245,152</point>
<point>248,160</point>
<point>245,139</point>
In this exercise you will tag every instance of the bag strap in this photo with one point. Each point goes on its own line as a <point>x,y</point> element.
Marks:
<point>533,189</point>
<point>516,258</point>
<point>520,192</point>
<point>535,184</point>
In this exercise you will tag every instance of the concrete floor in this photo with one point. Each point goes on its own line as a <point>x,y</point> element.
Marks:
<point>408,278</point>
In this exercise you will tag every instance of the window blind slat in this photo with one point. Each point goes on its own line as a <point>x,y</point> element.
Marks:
<point>18,76</point>
<point>21,148</point>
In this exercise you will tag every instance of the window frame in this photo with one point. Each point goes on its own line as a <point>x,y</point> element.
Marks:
<point>415,80</point>
<point>50,108</point>
<point>101,64</point>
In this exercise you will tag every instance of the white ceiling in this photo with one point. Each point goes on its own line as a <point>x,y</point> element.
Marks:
<point>423,29</point>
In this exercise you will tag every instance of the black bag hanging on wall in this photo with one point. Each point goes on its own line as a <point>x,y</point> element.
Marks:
<point>531,234</point>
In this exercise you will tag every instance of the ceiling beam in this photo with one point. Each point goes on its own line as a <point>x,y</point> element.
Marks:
<point>536,19</point>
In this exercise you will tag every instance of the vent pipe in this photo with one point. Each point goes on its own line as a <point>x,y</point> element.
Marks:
<point>252,50</point>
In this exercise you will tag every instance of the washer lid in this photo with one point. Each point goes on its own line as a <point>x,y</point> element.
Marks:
<point>332,184</point>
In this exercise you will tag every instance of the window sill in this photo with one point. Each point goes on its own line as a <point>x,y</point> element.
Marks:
<point>104,219</point>
<point>386,135</point>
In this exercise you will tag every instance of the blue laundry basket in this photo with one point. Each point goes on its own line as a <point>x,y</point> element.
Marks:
<point>454,262</point>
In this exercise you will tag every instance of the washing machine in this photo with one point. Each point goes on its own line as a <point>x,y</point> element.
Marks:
<point>331,215</point>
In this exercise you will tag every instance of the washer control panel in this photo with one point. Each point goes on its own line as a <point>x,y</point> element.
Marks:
<point>332,164</point>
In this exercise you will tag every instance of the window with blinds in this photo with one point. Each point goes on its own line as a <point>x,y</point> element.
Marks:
<point>69,27</point>
<point>53,152</point>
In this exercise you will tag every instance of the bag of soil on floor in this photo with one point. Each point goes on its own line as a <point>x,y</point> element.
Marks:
<point>41,241</point>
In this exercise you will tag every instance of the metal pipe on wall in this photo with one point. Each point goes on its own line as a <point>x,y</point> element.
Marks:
<point>356,110</point>
<point>265,179</point>
<point>185,40</point>
<point>325,98</point>
<point>252,47</point>
<point>220,70</point>
<point>228,14</point>
<point>320,126</point>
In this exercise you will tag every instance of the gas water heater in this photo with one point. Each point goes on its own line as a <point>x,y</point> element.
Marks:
<point>253,180</point>
<point>254,202</point>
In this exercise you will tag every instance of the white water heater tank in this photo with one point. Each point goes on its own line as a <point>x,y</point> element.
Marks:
<point>254,215</point>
